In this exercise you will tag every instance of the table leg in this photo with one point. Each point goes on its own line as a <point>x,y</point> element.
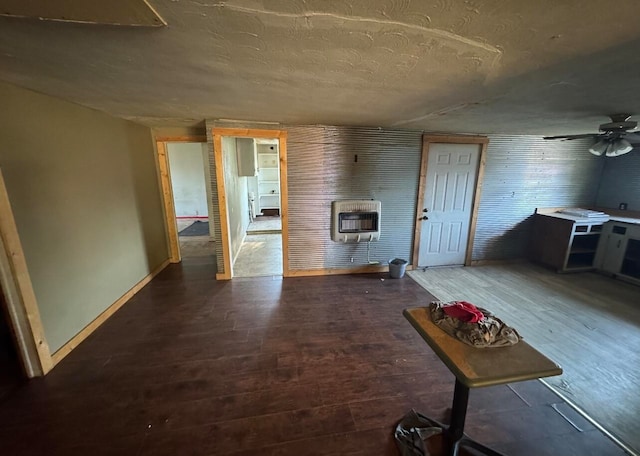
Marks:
<point>454,433</point>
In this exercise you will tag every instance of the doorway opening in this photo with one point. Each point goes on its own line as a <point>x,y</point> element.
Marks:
<point>236,161</point>
<point>193,182</point>
<point>188,168</point>
<point>254,207</point>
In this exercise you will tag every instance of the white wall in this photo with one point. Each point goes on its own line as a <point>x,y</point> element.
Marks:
<point>252,186</point>
<point>237,196</point>
<point>187,165</point>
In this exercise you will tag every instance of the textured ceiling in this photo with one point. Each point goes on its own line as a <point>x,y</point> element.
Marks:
<point>474,66</point>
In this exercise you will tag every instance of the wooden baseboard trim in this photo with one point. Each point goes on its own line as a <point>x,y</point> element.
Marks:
<point>104,316</point>
<point>340,271</point>
<point>495,262</point>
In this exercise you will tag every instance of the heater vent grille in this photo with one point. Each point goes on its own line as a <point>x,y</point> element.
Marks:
<point>355,221</point>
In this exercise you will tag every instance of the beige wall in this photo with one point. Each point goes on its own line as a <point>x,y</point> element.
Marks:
<point>164,132</point>
<point>85,195</point>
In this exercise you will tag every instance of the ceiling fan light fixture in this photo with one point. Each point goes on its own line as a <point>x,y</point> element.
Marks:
<point>599,148</point>
<point>618,147</point>
<point>612,141</point>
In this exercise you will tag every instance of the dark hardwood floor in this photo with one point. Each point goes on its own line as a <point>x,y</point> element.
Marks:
<point>304,366</point>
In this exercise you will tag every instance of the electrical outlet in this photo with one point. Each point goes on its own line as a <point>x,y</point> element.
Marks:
<point>351,259</point>
<point>622,206</point>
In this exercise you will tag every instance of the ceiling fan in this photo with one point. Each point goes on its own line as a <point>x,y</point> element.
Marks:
<point>614,137</point>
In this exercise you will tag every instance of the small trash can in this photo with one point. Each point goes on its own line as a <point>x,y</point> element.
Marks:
<point>397,266</point>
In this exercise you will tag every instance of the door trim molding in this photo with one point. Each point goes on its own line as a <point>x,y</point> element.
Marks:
<point>476,201</point>
<point>22,306</point>
<point>168,205</point>
<point>223,216</point>
<point>225,240</point>
<point>164,175</point>
<point>427,140</point>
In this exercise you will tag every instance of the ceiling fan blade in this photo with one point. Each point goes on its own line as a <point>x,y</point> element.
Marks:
<point>632,137</point>
<point>569,137</point>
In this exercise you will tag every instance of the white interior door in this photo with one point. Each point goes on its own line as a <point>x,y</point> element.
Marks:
<point>448,199</point>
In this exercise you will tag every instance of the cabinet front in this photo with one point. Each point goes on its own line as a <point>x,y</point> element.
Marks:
<point>611,250</point>
<point>631,260</point>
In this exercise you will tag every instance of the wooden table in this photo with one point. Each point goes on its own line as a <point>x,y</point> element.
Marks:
<point>476,367</point>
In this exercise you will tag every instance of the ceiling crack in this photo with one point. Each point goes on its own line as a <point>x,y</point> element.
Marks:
<point>441,112</point>
<point>306,15</point>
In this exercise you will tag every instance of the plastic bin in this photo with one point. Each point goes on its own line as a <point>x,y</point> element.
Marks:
<point>397,267</point>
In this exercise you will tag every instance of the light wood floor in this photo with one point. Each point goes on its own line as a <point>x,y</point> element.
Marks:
<point>265,224</point>
<point>588,323</point>
<point>260,255</point>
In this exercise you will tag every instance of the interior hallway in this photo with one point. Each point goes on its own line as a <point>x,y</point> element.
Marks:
<point>302,366</point>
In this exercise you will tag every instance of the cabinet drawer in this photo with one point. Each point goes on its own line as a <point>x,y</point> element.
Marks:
<point>583,229</point>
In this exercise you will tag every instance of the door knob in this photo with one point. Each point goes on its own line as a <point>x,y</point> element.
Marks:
<point>424,217</point>
<point>425,210</point>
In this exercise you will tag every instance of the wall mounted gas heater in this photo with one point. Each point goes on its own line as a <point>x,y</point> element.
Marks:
<point>355,220</point>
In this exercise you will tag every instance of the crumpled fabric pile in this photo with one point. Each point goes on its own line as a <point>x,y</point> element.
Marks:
<point>472,325</point>
<point>412,433</point>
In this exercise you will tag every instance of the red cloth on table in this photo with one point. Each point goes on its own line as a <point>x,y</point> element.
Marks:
<point>463,310</point>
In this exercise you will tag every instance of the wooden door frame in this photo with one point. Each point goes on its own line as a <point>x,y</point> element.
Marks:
<point>225,240</point>
<point>168,204</point>
<point>427,140</point>
<point>21,305</point>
